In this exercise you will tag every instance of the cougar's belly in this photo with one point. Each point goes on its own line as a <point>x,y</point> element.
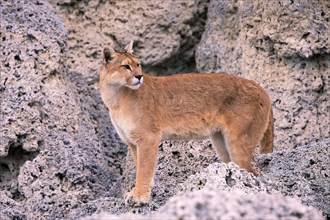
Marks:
<point>180,134</point>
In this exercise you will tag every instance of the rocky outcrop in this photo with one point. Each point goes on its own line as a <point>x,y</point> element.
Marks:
<point>61,158</point>
<point>214,204</point>
<point>51,144</point>
<point>164,34</point>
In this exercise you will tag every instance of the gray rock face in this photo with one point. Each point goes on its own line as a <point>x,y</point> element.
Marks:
<point>165,34</point>
<point>60,157</point>
<point>284,46</point>
<point>52,155</point>
<point>25,52</point>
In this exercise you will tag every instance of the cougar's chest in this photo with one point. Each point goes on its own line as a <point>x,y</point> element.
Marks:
<point>123,124</point>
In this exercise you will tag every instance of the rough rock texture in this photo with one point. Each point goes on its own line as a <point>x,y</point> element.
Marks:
<point>60,157</point>
<point>53,156</point>
<point>165,34</point>
<point>303,172</point>
<point>223,177</point>
<point>284,46</point>
<point>215,204</point>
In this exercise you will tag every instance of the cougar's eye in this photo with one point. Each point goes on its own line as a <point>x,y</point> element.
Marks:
<point>138,65</point>
<point>126,67</point>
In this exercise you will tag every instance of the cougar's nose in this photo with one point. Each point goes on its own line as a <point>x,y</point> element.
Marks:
<point>138,77</point>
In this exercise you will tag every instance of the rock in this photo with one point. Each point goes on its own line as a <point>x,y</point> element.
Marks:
<point>60,157</point>
<point>165,34</point>
<point>54,155</point>
<point>284,46</point>
<point>215,204</point>
<point>302,172</point>
<point>224,177</point>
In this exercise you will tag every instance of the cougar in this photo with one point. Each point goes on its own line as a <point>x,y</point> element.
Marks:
<point>234,113</point>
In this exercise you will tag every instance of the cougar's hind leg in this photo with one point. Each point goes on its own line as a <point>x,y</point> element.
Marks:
<point>241,147</point>
<point>218,142</point>
<point>266,143</point>
<point>242,155</point>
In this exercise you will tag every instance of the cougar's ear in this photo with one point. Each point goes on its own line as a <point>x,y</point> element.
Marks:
<point>108,53</point>
<point>129,47</point>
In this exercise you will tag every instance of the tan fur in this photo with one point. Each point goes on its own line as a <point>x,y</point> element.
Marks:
<point>235,113</point>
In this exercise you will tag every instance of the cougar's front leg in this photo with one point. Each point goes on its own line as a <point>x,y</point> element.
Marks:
<point>146,163</point>
<point>132,150</point>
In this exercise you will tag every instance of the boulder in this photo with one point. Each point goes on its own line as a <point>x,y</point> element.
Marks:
<point>215,204</point>
<point>164,34</point>
<point>54,156</point>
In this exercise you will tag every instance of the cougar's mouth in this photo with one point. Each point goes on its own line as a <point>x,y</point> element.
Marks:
<point>137,83</point>
<point>134,86</point>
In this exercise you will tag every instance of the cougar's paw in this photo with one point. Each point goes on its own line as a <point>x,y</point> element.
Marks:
<point>135,199</point>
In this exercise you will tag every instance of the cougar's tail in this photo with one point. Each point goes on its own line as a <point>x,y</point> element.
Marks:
<point>266,144</point>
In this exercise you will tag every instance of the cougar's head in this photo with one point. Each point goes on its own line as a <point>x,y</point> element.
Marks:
<point>121,68</point>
